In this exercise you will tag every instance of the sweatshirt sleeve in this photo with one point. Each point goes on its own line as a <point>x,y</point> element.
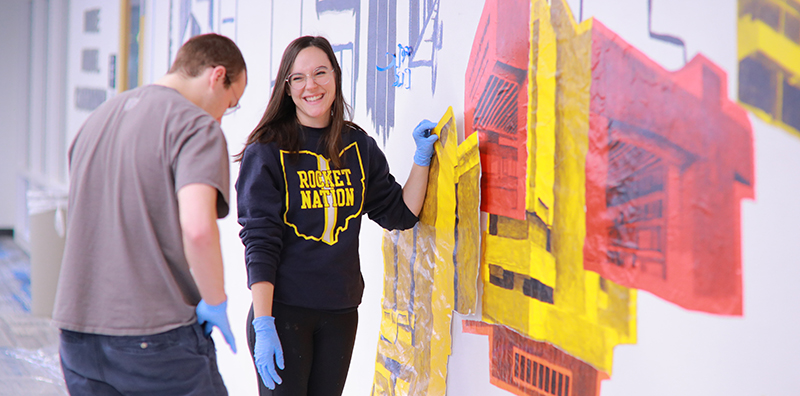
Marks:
<point>384,202</point>
<point>260,204</point>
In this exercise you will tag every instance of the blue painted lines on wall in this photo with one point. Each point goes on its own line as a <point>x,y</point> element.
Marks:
<point>402,71</point>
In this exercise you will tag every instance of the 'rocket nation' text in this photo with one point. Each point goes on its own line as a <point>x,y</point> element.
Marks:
<point>325,188</point>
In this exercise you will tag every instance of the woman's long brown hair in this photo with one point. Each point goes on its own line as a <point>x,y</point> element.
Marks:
<point>279,123</point>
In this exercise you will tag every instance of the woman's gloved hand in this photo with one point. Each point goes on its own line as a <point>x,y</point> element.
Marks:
<point>424,138</point>
<point>209,316</point>
<point>267,351</point>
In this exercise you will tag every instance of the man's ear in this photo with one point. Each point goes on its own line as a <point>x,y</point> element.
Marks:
<point>218,73</point>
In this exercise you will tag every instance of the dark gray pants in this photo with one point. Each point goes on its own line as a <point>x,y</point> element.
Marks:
<point>182,361</point>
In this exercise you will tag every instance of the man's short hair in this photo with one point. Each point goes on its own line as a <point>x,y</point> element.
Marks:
<point>209,50</point>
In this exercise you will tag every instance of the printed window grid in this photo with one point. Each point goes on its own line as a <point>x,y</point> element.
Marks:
<point>534,373</point>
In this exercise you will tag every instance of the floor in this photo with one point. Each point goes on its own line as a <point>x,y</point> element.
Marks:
<point>29,363</point>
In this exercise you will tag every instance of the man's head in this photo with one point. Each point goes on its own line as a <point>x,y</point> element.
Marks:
<point>209,50</point>
<point>213,72</point>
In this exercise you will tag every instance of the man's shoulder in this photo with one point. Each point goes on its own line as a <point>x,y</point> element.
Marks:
<point>181,114</point>
<point>166,98</point>
<point>149,100</point>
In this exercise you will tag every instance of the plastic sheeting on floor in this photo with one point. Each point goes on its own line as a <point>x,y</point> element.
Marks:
<point>31,372</point>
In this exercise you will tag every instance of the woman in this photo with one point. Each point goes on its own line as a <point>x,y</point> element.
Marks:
<point>306,177</point>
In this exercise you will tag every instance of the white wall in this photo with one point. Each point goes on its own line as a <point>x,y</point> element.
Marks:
<point>15,31</point>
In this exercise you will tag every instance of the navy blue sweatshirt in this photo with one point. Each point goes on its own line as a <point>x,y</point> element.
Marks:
<point>301,219</point>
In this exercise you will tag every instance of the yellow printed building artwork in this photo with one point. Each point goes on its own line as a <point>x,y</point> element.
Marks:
<point>430,271</point>
<point>532,264</point>
<point>769,60</point>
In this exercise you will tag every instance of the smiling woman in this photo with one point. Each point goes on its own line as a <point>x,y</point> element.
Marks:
<point>307,175</point>
<point>313,96</point>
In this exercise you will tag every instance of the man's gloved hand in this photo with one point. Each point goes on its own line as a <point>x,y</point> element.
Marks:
<point>268,350</point>
<point>424,138</point>
<point>216,315</point>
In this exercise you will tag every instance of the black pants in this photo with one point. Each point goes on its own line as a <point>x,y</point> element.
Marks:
<point>317,347</point>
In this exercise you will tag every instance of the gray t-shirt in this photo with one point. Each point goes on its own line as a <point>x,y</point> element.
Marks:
<point>124,271</point>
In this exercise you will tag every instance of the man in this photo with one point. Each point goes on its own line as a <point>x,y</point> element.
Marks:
<point>141,283</point>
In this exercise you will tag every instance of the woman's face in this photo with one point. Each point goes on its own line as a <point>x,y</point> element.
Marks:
<point>312,87</point>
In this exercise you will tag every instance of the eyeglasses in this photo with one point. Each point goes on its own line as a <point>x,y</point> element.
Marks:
<point>231,110</point>
<point>321,76</point>
<point>235,107</point>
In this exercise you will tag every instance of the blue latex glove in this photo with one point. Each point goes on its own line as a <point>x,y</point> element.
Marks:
<point>424,138</point>
<point>216,315</point>
<point>268,350</point>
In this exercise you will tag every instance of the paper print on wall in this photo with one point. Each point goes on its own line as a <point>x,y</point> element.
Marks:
<point>533,135</point>
<point>497,102</point>
<point>670,159</point>
<point>430,271</point>
<point>526,367</point>
<point>769,60</point>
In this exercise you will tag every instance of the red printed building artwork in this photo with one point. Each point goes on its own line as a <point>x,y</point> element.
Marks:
<point>527,367</point>
<point>670,159</point>
<point>497,89</point>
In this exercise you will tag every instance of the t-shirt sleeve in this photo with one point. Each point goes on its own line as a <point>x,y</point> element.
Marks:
<point>260,204</point>
<point>384,202</point>
<point>200,155</point>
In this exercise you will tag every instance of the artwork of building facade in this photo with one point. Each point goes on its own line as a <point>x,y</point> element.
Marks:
<point>601,173</point>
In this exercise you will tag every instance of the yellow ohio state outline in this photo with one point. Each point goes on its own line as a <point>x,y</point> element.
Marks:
<point>330,234</point>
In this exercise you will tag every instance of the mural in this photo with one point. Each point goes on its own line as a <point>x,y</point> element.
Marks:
<point>769,60</point>
<point>430,271</point>
<point>601,173</point>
